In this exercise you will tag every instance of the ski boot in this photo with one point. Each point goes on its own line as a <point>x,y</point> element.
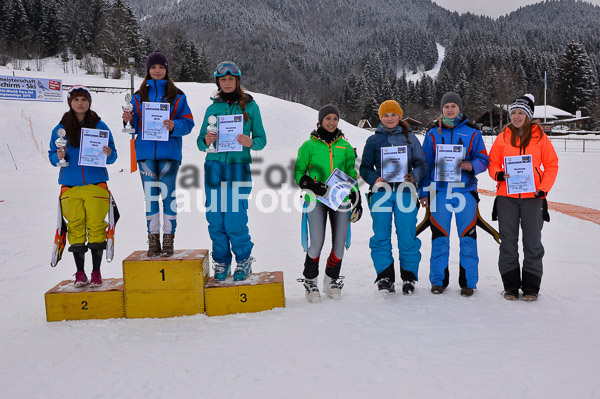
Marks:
<point>333,286</point>
<point>386,286</point>
<point>243,269</point>
<point>408,287</point>
<point>312,290</point>
<point>222,270</point>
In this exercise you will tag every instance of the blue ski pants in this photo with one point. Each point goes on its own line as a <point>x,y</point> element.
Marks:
<point>466,219</point>
<point>227,187</point>
<point>159,178</point>
<point>401,207</point>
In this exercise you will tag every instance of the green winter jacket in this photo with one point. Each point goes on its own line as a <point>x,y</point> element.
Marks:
<point>318,159</point>
<point>253,128</point>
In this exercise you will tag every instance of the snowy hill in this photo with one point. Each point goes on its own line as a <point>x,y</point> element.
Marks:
<point>361,346</point>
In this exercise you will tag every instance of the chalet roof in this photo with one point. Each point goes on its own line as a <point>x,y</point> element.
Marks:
<point>551,112</point>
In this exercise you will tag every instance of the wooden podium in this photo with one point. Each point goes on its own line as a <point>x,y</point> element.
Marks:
<point>65,302</point>
<point>165,286</point>
<point>261,291</point>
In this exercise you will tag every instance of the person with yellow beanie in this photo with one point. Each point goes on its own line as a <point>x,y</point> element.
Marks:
<point>393,197</point>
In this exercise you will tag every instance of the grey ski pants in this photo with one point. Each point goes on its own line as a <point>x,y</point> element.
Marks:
<point>339,221</point>
<point>528,212</point>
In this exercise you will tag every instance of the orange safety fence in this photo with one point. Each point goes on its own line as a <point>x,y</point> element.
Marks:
<point>580,212</point>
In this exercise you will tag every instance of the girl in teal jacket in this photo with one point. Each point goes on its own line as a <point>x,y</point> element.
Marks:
<point>228,218</point>
<point>84,194</point>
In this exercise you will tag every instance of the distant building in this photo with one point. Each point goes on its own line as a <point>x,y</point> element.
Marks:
<point>553,116</point>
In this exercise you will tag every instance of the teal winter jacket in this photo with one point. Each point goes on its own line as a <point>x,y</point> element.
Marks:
<point>252,128</point>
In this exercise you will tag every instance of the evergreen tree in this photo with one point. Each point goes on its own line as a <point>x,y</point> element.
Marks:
<point>49,33</point>
<point>576,80</point>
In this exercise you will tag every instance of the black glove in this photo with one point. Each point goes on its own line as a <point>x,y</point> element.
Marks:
<point>540,194</point>
<point>317,187</point>
<point>356,212</point>
<point>500,176</point>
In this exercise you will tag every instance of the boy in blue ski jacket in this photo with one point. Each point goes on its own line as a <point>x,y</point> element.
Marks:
<point>457,196</point>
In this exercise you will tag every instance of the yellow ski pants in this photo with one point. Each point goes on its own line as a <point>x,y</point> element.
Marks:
<point>85,208</point>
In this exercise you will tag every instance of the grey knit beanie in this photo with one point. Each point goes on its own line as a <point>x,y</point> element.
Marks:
<point>326,110</point>
<point>451,97</point>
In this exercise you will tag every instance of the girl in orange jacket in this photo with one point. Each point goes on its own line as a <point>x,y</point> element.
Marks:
<point>517,205</point>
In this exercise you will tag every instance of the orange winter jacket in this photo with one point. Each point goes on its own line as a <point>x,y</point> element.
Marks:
<point>545,160</point>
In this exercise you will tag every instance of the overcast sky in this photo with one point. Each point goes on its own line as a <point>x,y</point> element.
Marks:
<point>492,8</point>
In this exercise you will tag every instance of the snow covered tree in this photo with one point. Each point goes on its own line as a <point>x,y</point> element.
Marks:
<point>576,80</point>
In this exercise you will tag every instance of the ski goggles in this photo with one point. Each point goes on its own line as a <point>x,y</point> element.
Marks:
<point>227,67</point>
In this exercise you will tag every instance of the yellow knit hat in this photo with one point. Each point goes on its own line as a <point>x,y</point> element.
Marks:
<point>390,106</point>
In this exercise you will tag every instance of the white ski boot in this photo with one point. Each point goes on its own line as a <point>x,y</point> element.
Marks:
<point>312,290</point>
<point>333,287</point>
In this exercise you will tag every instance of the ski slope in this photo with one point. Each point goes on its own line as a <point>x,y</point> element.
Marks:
<point>360,346</point>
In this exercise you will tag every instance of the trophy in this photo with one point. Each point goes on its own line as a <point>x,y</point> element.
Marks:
<point>127,107</point>
<point>61,142</point>
<point>211,129</point>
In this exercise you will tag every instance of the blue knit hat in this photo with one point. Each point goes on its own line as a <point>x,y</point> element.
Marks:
<point>157,58</point>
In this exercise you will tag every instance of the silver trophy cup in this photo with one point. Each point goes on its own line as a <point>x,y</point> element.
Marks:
<point>61,143</point>
<point>128,107</point>
<point>211,129</point>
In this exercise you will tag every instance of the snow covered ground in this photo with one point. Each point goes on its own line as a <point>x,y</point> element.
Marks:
<point>360,346</point>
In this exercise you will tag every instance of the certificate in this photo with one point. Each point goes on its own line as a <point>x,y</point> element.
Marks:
<point>340,185</point>
<point>448,158</point>
<point>394,163</point>
<point>520,169</point>
<point>153,116</point>
<point>229,127</point>
<point>91,147</point>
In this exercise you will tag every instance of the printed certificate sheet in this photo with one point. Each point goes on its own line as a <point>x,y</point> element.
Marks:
<point>520,169</point>
<point>229,127</point>
<point>153,116</point>
<point>340,185</point>
<point>90,147</point>
<point>394,163</point>
<point>448,158</point>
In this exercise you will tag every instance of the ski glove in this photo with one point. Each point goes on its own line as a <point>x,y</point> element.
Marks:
<point>356,211</point>
<point>317,187</point>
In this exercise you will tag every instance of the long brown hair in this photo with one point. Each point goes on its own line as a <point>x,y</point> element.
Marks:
<point>73,127</point>
<point>171,92</point>
<point>526,133</point>
<point>241,91</point>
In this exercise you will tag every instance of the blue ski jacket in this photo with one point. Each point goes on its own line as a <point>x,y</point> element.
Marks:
<point>370,166</point>
<point>474,151</point>
<point>75,175</point>
<point>180,114</point>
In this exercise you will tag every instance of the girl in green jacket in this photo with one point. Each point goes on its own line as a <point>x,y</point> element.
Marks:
<point>318,157</point>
